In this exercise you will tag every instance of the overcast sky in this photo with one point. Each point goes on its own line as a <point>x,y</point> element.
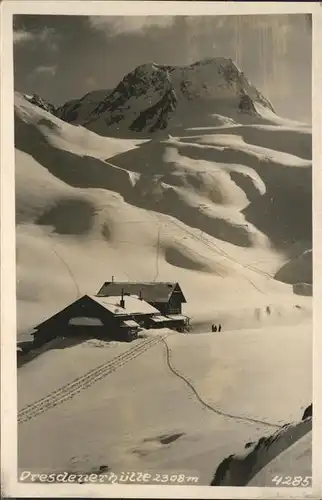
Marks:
<point>64,57</point>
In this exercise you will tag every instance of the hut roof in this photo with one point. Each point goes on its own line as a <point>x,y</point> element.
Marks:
<point>132,305</point>
<point>149,291</point>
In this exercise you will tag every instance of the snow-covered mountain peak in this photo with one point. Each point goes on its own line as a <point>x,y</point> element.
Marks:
<point>153,96</point>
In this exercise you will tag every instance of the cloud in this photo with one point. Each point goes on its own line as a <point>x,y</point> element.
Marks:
<point>138,25</point>
<point>45,35</point>
<point>21,36</point>
<point>45,70</point>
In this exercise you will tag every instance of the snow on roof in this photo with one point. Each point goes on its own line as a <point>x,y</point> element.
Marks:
<point>132,305</point>
<point>160,319</point>
<point>177,317</point>
<point>130,323</point>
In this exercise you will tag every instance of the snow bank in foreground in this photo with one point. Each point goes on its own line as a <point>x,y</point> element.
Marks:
<point>240,469</point>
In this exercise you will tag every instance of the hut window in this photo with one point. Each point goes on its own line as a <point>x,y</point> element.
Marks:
<point>85,321</point>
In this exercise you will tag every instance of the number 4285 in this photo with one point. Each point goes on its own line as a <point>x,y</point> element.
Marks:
<point>304,481</point>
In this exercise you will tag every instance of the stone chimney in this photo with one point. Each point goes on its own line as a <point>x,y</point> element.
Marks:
<point>122,301</point>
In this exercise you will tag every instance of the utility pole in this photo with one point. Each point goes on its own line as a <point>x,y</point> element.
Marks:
<point>157,252</point>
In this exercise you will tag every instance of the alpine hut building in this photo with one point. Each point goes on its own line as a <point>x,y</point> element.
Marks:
<point>166,297</point>
<point>117,312</point>
<point>113,317</point>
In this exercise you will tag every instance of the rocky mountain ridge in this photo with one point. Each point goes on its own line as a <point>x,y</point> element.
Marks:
<point>156,97</point>
<point>40,102</point>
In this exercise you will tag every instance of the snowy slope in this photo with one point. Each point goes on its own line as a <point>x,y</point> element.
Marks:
<point>299,455</point>
<point>288,450</point>
<point>123,420</point>
<point>212,207</point>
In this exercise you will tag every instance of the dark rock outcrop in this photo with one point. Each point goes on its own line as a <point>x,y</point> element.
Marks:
<point>308,412</point>
<point>41,103</point>
<point>239,469</point>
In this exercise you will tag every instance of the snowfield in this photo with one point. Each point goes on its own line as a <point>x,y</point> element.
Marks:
<point>223,206</point>
<point>120,420</point>
<point>216,213</point>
